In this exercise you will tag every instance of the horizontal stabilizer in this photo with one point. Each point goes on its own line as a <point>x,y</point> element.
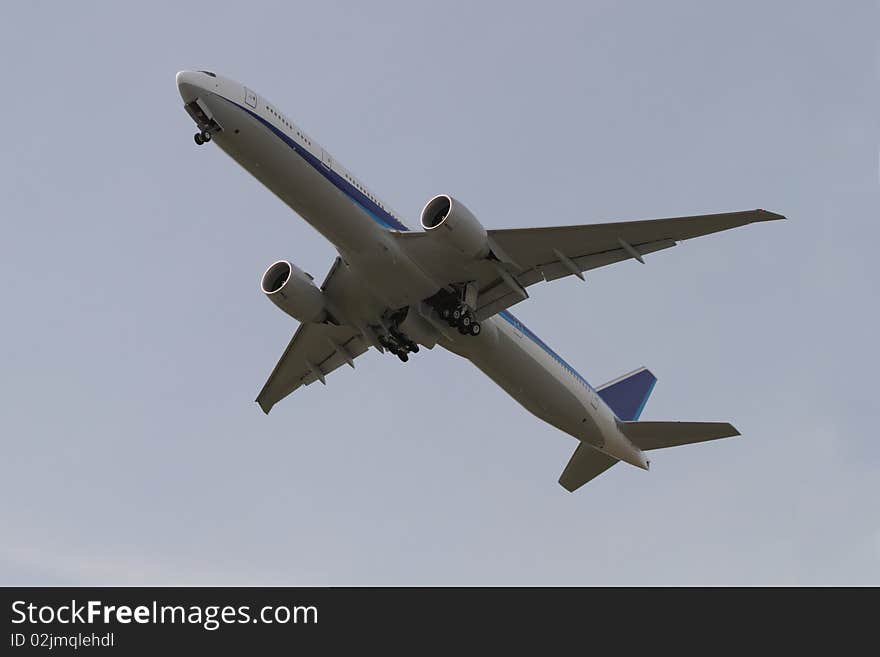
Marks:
<point>628,394</point>
<point>586,463</point>
<point>656,435</point>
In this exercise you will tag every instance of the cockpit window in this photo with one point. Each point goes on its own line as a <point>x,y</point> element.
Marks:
<point>213,75</point>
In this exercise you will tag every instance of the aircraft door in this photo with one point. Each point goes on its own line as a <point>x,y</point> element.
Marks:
<point>250,98</point>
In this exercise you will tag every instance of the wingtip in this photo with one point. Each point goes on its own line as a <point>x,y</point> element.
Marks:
<point>567,487</point>
<point>264,407</point>
<point>770,216</point>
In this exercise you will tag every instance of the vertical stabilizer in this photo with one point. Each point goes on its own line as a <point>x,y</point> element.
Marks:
<point>628,394</point>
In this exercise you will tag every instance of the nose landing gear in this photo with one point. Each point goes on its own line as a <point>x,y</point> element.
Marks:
<point>204,121</point>
<point>202,137</point>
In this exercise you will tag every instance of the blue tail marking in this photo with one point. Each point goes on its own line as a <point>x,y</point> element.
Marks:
<point>627,395</point>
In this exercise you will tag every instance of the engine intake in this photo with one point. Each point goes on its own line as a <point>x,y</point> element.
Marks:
<point>294,291</point>
<point>450,221</point>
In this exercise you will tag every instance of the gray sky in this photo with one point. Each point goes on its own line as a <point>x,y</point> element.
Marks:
<point>135,337</point>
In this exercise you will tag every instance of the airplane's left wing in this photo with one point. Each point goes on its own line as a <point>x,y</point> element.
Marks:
<point>545,254</point>
<point>314,352</point>
<point>526,256</point>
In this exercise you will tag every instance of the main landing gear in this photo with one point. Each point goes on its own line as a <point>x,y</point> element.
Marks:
<point>399,344</point>
<point>202,137</point>
<point>462,318</point>
<point>456,307</point>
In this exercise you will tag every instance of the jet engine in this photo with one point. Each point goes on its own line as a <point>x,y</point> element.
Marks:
<point>294,291</point>
<point>450,221</point>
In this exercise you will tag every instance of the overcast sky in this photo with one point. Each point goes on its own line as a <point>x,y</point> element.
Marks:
<point>135,336</point>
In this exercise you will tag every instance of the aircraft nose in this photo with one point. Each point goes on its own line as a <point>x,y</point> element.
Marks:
<point>188,85</point>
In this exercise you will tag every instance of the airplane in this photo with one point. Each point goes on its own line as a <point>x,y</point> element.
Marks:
<point>451,284</point>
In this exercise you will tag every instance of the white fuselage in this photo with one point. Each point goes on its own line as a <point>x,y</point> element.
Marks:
<point>360,225</point>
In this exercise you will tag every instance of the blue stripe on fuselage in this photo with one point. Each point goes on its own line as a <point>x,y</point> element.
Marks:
<point>376,213</point>
<point>513,321</point>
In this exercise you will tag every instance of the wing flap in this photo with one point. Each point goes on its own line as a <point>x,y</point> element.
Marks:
<point>556,269</point>
<point>527,246</point>
<point>497,296</point>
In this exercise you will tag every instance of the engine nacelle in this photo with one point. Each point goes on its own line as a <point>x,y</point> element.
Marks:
<point>294,291</point>
<point>449,220</point>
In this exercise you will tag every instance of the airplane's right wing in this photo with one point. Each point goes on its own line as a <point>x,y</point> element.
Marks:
<point>315,349</point>
<point>314,352</point>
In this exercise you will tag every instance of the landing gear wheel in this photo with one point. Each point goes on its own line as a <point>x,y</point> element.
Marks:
<point>402,355</point>
<point>206,136</point>
<point>444,314</point>
<point>414,348</point>
<point>456,314</point>
<point>475,328</point>
<point>198,138</point>
<point>465,321</point>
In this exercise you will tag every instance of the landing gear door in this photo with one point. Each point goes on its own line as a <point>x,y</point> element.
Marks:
<point>250,98</point>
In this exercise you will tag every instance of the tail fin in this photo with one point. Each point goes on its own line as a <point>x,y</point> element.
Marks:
<point>655,435</point>
<point>628,394</point>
